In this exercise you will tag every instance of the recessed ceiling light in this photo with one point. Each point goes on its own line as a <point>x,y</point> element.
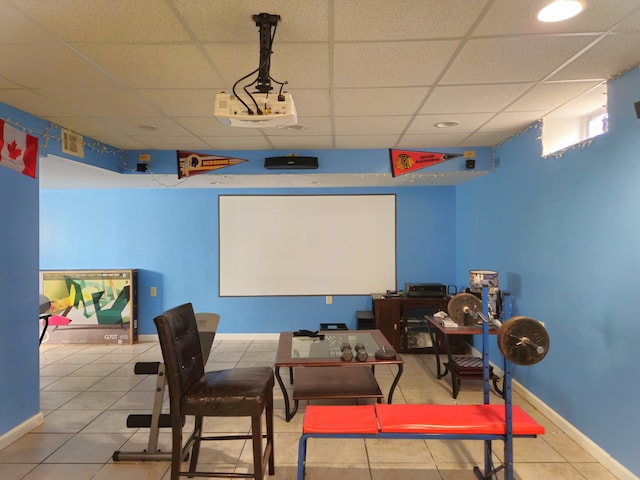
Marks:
<point>560,10</point>
<point>149,128</point>
<point>446,124</point>
<point>297,126</point>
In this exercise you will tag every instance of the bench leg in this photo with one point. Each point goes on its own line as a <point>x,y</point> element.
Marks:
<point>302,456</point>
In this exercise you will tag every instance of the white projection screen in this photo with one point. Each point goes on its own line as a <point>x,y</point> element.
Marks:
<point>277,245</point>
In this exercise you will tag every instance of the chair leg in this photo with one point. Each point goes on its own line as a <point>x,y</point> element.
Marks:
<point>256,435</point>
<point>195,450</point>
<point>269,421</point>
<point>176,452</point>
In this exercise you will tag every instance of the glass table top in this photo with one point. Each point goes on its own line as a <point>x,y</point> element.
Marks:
<point>330,346</point>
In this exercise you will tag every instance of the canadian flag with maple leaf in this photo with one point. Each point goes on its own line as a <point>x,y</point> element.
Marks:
<point>18,151</point>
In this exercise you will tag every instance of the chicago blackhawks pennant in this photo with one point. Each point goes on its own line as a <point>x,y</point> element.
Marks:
<point>405,161</point>
<point>190,163</point>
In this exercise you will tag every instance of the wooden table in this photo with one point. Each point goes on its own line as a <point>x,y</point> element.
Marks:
<point>459,366</point>
<point>320,373</point>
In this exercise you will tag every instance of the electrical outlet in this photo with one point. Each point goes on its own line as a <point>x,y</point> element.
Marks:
<point>329,299</point>
<point>153,291</point>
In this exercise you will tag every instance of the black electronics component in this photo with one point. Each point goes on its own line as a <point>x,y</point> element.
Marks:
<point>425,290</point>
<point>291,163</point>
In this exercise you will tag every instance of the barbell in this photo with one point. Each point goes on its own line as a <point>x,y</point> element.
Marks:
<point>521,340</point>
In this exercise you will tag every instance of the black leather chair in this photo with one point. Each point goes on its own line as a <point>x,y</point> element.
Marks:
<point>193,392</point>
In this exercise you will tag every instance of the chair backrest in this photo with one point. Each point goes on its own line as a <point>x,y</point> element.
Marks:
<point>181,350</point>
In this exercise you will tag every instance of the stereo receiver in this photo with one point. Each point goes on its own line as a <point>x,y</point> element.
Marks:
<point>425,290</point>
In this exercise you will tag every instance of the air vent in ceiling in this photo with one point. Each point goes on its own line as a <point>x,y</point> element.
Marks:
<point>72,143</point>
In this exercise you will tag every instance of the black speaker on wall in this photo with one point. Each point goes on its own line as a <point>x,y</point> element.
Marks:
<point>291,163</point>
<point>637,105</point>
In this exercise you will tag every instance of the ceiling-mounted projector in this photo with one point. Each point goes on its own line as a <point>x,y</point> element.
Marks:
<point>274,110</point>
<point>262,108</point>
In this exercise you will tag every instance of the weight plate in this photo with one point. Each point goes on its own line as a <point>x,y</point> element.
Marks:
<point>459,303</point>
<point>523,340</point>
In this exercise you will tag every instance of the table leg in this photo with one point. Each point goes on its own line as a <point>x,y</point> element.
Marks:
<point>455,385</point>
<point>288,415</point>
<point>395,382</point>
<point>440,371</point>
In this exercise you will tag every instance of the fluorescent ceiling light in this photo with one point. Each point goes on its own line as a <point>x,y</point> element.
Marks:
<point>560,10</point>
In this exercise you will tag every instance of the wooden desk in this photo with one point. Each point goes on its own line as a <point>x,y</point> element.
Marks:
<point>401,318</point>
<point>336,379</point>
<point>460,366</point>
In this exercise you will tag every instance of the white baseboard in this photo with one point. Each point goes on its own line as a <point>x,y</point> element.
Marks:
<point>610,463</point>
<point>20,430</point>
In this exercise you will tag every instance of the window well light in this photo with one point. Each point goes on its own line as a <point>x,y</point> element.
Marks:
<point>560,10</point>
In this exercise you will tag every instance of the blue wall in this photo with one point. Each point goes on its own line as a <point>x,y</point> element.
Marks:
<point>563,233</point>
<point>19,368</point>
<point>171,235</point>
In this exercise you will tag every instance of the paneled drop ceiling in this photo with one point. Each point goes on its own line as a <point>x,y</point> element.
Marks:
<point>142,74</point>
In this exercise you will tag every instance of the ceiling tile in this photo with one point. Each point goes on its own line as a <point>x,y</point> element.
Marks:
<point>118,141</point>
<point>27,101</point>
<point>378,101</point>
<point>131,126</point>
<point>547,96</point>
<point>249,142</point>
<point>181,102</point>
<point>231,20</point>
<point>366,141</point>
<point>431,140</point>
<point>6,83</point>
<point>49,66</point>
<point>92,102</point>
<point>154,66</point>
<point>107,21</point>
<point>301,65</point>
<point>473,98</point>
<point>314,126</point>
<point>311,142</point>
<point>511,121</point>
<point>382,20</point>
<point>15,28</point>
<point>509,60</point>
<point>615,53</point>
<point>391,64</point>
<point>210,127</point>
<point>586,104</point>
<point>468,123</point>
<point>485,138</point>
<point>187,142</point>
<point>313,102</point>
<point>630,23</point>
<point>370,125</point>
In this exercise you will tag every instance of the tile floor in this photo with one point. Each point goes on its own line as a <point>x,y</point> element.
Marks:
<point>87,392</point>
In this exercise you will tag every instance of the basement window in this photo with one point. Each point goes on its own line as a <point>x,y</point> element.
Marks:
<point>578,121</point>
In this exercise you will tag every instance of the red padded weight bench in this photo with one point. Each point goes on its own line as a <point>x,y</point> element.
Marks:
<point>421,421</point>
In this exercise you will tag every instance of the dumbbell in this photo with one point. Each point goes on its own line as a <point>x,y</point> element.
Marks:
<point>361,353</point>
<point>347,353</point>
